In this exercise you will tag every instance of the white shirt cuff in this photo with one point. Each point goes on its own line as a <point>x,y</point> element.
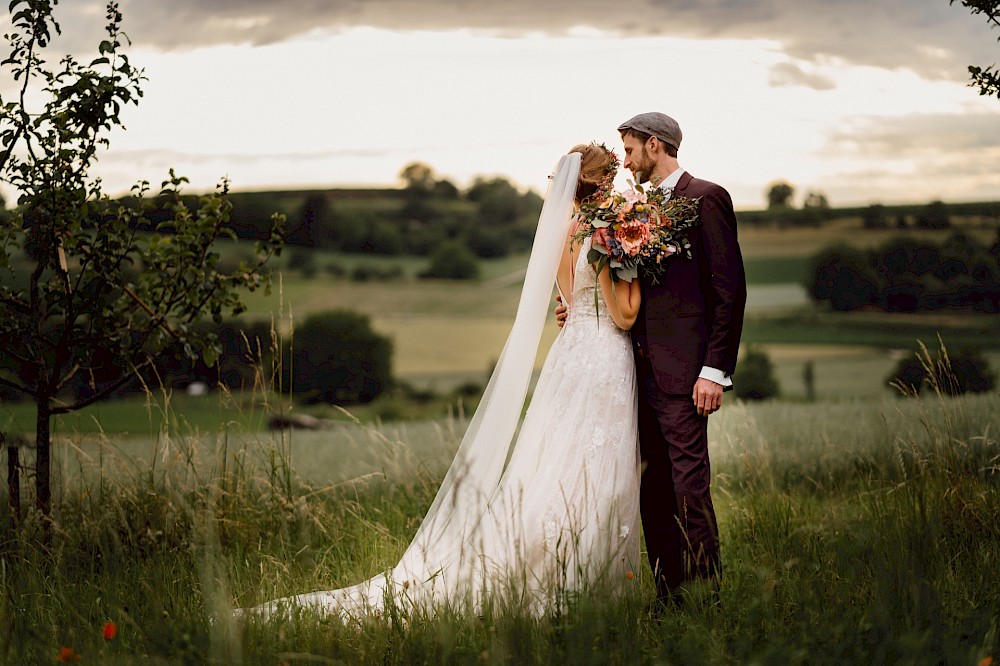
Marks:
<point>714,375</point>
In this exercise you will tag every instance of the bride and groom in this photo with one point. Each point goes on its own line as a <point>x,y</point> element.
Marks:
<point>534,509</point>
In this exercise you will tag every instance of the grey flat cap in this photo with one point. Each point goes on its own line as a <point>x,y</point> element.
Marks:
<point>660,125</point>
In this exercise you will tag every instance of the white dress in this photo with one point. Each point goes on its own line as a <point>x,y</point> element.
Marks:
<point>563,517</point>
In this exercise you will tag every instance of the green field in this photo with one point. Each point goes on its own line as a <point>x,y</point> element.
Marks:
<point>860,528</point>
<point>853,531</point>
<point>448,333</point>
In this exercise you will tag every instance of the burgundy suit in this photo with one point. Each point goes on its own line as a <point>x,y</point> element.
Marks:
<point>692,318</point>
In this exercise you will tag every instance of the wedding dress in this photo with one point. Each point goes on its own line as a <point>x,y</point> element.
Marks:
<point>530,515</point>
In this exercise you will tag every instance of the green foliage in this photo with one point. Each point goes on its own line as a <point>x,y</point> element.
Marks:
<point>452,261</point>
<point>842,275</point>
<point>314,222</point>
<point>986,80</point>
<point>336,357</point>
<point>101,291</point>
<point>965,371</point>
<point>853,533</point>
<point>754,377</point>
<point>874,217</point>
<point>905,275</point>
<point>935,216</point>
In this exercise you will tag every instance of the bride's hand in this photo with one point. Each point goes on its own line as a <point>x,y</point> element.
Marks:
<point>561,312</point>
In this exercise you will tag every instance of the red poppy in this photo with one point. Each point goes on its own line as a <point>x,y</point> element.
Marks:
<point>110,630</point>
<point>67,655</point>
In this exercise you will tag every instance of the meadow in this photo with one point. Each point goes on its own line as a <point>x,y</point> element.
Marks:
<point>854,531</point>
<point>857,528</point>
<point>447,333</point>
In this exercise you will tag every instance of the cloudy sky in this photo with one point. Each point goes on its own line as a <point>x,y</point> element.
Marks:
<point>863,100</point>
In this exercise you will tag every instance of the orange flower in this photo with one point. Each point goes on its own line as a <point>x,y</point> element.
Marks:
<point>986,661</point>
<point>67,655</point>
<point>629,575</point>
<point>110,630</point>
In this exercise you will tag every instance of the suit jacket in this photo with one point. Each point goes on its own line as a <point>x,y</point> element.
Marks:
<point>694,316</point>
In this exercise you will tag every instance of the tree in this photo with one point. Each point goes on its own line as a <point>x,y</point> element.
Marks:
<point>97,287</point>
<point>779,195</point>
<point>336,357</point>
<point>874,217</point>
<point>843,276</point>
<point>452,261</point>
<point>935,216</point>
<point>418,177</point>
<point>754,377</point>
<point>816,200</point>
<point>314,222</point>
<point>987,80</point>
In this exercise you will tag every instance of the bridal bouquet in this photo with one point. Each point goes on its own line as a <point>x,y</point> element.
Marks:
<point>635,231</point>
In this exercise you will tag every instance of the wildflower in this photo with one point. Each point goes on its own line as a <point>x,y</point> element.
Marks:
<point>629,575</point>
<point>67,655</point>
<point>986,661</point>
<point>110,630</point>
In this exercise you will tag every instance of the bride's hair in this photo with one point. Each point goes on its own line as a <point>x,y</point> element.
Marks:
<point>598,166</point>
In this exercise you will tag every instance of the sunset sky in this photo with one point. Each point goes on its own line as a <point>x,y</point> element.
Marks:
<point>863,100</point>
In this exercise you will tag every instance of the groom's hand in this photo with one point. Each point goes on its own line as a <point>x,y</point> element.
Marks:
<point>561,312</point>
<point>707,396</point>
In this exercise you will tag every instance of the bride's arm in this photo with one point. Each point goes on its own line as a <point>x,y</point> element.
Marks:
<point>567,263</point>
<point>622,298</point>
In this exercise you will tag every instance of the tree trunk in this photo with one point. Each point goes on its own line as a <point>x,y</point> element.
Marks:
<point>43,489</point>
<point>13,483</point>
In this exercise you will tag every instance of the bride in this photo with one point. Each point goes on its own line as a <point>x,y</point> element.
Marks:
<point>530,516</point>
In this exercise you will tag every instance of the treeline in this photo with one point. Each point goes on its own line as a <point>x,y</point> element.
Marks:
<point>906,275</point>
<point>491,218</point>
<point>932,215</point>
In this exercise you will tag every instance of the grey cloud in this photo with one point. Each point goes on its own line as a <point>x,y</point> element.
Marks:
<point>919,135</point>
<point>929,36</point>
<point>790,74</point>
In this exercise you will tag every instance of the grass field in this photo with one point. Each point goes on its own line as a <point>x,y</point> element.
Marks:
<point>447,333</point>
<point>853,531</point>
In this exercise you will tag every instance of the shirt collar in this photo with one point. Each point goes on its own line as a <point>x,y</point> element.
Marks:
<point>670,182</point>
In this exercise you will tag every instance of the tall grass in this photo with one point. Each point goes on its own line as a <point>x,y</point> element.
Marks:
<point>857,532</point>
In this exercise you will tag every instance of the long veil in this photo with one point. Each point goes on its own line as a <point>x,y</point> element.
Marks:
<point>489,439</point>
<point>442,551</point>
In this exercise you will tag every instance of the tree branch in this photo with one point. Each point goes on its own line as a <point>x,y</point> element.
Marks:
<point>103,393</point>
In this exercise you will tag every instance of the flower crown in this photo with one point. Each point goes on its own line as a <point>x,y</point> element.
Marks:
<point>607,183</point>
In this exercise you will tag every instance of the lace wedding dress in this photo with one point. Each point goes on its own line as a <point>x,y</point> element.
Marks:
<point>528,516</point>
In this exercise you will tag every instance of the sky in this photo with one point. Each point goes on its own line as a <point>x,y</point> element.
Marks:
<point>865,101</point>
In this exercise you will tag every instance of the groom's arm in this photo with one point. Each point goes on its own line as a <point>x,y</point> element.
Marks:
<point>727,280</point>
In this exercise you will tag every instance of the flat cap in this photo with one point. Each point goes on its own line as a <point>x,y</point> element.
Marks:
<point>657,124</point>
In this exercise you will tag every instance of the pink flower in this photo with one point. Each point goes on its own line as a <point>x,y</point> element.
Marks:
<point>601,237</point>
<point>631,196</point>
<point>632,234</point>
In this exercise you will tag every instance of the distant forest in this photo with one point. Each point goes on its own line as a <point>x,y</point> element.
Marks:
<point>494,218</point>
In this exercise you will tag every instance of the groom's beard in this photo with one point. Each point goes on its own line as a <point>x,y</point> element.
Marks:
<point>643,167</point>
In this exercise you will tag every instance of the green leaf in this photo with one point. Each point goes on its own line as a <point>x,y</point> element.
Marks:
<point>210,355</point>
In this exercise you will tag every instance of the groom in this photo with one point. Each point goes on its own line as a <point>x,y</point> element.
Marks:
<point>685,342</point>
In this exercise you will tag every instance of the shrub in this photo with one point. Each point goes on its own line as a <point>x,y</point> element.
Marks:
<point>452,261</point>
<point>336,357</point>
<point>754,378</point>
<point>966,371</point>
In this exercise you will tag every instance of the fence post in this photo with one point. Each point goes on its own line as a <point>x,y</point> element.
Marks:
<point>13,480</point>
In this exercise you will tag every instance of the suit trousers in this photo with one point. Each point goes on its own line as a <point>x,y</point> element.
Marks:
<point>678,519</point>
